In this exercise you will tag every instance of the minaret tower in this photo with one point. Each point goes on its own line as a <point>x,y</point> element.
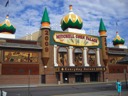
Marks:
<point>45,31</point>
<point>103,35</point>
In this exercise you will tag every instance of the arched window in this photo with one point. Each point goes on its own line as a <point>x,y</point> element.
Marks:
<point>78,57</point>
<point>92,57</point>
<point>62,56</point>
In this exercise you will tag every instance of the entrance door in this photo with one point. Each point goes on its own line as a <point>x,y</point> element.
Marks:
<point>79,78</point>
<point>65,77</point>
<point>94,76</point>
<point>43,79</point>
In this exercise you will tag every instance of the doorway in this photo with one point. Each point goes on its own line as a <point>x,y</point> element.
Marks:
<point>65,78</point>
<point>94,76</point>
<point>43,79</point>
<point>79,77</point>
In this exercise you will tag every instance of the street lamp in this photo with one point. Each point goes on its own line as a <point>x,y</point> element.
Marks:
<point>45,66</point>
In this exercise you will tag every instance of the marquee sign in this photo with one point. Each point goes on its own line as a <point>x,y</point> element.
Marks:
<point>79,69</point>
<point>76,39</point>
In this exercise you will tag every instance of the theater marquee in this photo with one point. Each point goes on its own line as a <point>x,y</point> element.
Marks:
<point>76,39</point>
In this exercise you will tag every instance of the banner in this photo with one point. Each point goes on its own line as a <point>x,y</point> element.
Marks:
<point>76,39</point>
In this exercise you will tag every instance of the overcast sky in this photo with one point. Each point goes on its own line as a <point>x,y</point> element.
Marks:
<point>26,15</point>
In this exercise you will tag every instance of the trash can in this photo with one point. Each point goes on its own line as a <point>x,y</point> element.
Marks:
<point>106,79</point>
<point>58,82</point>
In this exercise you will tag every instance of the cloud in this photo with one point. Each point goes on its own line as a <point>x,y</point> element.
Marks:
<point>26,15</point>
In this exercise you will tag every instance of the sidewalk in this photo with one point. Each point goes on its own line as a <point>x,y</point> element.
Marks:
<point>38,85</point>
<point>102,93</point>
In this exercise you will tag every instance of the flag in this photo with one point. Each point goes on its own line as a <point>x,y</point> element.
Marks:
<point>7,3</point>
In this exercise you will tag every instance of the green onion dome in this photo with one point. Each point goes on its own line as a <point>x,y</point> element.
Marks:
<point>7,27</point>
<point>71,20</point>
<point>118,40</point>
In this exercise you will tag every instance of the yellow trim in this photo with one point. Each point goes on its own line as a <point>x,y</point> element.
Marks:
<point>79,19</point>
<point>5,32</point>
<point>7,22</point>
<point>73,17</point>
<point>118,44</point>
<point>66,18</point>
<point>117,37</point>
<point>103,33</point>
<point>1,24</point>
<point>45,24</point>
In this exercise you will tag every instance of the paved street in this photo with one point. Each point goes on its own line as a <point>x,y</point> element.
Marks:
<point>92,89</point>
<point>102,93</point>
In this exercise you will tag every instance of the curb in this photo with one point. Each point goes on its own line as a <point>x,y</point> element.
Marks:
<point>39,85</point>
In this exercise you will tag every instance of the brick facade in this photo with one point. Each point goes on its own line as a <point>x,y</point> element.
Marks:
<point>115,76</point>
<point>20,79</point>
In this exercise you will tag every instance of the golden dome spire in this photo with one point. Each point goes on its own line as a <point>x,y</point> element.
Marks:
<point>71,20</point>
<point>7,27</point>
<point>7,16</point>
<point>70,7</point>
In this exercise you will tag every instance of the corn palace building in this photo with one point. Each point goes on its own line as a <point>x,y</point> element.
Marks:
<point>68,56</point>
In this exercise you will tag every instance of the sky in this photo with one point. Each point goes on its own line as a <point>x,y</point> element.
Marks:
<point>26,15</point>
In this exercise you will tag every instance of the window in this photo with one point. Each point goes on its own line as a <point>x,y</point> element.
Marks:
<point>78,57</point>
<point>62,56</point>
<point>92,57</point>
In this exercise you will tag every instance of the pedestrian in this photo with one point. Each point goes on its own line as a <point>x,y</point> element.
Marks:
<point>118,87</point>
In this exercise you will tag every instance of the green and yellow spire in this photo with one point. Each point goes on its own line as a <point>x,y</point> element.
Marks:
<point>71,20</point>
<point>102,28</point>
<point>6,27</point>
<point>118,40</point>
<point>45,19</point>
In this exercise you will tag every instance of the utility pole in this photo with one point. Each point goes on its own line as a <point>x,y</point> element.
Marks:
<point>1,92</point>
<point>125,74</point>
<point>29,73</point>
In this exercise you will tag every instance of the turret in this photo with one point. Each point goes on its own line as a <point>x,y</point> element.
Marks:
<point>45,22</point>
<point>6,27</point>
<point>118,42</point>
<point>45,31</point>
<point>102,29</point>
<point>103,35</point>
<point>7,30</point>
<point>71,22</point>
